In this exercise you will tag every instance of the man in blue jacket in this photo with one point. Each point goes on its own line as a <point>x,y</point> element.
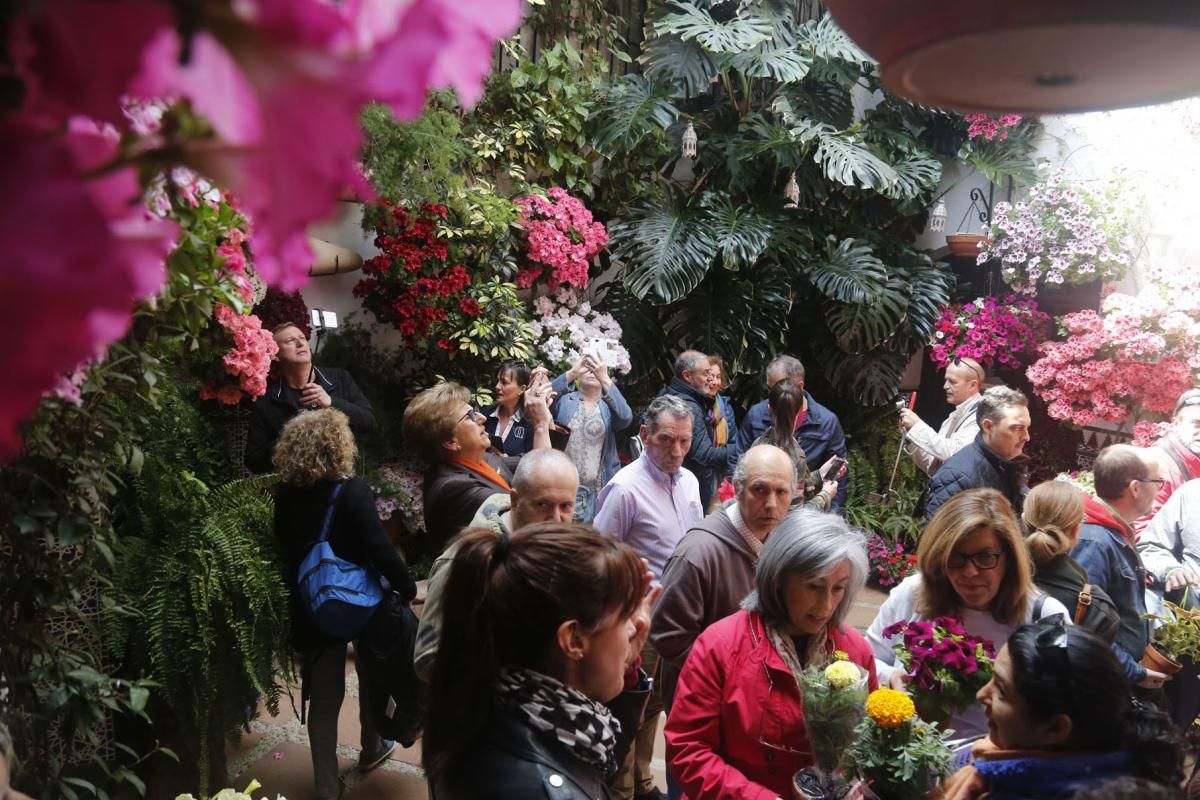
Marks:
<point>819,432</point>
<point>1126,483</point>
<point>705,460</point>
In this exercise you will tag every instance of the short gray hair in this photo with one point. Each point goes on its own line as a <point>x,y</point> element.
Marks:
<point>788,367</point>
<point>808,544</point>
<point>688,361</point>
<point>739,471</point>
<point>668,404</point>
<point>536,461</point>
<point>995,400</point>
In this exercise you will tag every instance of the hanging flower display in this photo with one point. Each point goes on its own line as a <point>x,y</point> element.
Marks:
<point>996,332</point>
<point>561,239</point>
<point>1061,233</point>
<point>991,128</point>
<point>1137,355</point>
<point>247,362</point>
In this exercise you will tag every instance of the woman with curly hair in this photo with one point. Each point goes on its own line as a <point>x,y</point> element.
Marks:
<point>314,457</point>
<point>1061,718</point>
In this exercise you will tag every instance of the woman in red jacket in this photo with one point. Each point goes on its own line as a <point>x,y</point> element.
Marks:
<point>736,728</point>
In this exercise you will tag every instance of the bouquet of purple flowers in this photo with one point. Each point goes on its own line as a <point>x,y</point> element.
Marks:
<point>944,665</point>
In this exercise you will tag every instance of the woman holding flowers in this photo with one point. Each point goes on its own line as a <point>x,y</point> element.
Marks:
<point>737,725</point>
<point>1061,718</point>
<point>973,568</point>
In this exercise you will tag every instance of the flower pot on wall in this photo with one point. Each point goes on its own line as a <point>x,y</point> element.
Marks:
<point>965,245</point>
<point>1067,298</point>
<point>1030,56</point>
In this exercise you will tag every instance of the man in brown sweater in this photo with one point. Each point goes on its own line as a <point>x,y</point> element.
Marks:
<point>712,568</point>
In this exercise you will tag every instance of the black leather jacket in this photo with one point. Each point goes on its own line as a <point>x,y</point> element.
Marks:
<point>515,762</point>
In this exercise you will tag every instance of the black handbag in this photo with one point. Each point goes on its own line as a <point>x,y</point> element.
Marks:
<point>385,649</point>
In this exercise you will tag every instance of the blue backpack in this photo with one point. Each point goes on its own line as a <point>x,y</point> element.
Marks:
<point>340,595</point>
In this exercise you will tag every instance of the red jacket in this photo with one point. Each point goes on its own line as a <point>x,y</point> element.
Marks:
<point>736,729</point>
<point>1173,477</point>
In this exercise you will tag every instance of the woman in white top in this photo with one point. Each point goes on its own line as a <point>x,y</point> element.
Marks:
<point>972,565</point>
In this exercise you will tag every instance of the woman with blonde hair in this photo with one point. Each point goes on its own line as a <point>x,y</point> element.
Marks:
<point>314,457</point>
<point>1052,518</point>
<point>971,565</point>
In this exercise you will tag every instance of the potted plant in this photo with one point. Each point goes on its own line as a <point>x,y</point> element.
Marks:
<point>834,700</point>
<point>898,755</point>
<point>995,331</point>
<point>1177,639</point>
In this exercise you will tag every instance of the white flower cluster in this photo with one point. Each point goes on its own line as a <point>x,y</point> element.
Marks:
<point>564,326</point>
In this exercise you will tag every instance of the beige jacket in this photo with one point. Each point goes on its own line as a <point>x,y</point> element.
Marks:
<point>930,448</point>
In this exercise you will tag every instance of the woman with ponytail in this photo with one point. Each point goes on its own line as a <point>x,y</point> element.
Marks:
<point>1051,520</point>
<point>1061,717</point>
<point>539,631</point>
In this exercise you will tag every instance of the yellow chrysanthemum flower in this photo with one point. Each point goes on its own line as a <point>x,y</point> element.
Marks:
<point>841,674</point>
<point>890,708</point>
<point>841,655</point>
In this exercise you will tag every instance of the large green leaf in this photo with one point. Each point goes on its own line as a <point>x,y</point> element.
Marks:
<point>871,379</point>
<point>847,160</point>
<point>666,250</point>
<point>1012,157</point>
<point>633,108</point>
<point>777,57</point>
<point>860,327</point>
<point>930,293</point>
<point>736,35</point>
<point>824,39</point>
<point>741,234</point>
<point>914,177</point>
<point>670,58</point>
<point>847,272</point>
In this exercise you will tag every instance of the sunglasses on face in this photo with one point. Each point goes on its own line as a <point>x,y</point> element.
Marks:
<point>472,414</point>
<point>983,560</point>
<point>958,362</point>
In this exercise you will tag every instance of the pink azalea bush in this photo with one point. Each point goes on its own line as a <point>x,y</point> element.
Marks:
<point>989,127</point>
<point>1061,233</point>
<point>994,331</point>
<point>280,84</point>
<point>563,326</point>
<point>561,239</point>
<point>1137,355</point>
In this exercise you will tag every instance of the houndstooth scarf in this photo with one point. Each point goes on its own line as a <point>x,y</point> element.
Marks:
<point>584,727</point>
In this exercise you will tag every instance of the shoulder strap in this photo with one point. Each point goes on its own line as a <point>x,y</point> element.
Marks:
<point>337,488</point>
<point>1085,600</point>
<point>1037,608</point>
<point>1165,446</point>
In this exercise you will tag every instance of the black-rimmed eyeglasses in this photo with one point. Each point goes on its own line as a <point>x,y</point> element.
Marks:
<point>983,560</point>
<point>471,413</point>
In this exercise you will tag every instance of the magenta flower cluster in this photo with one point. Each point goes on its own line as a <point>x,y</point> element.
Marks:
<point>994,331</point>
<point>561,240</point>
<point>990,127</point>
<point>944,665</point>
<point>1136,356</point>
<point>1062,233</point>
<point>890,562</point>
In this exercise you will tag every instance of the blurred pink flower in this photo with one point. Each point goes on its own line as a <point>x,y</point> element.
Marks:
<point>69,297</point>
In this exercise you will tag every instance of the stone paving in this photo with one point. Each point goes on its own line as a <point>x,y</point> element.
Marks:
<point>275,751</point>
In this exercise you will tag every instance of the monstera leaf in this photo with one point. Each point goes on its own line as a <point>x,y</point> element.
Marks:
<point>672,59</point>
<point>860,327</point>
<point>633,108</point>
<point>736,35</point>
<point>740,232</point>
<point>847,272</point>
<point>824,39</point>
<point>871,379</point>
<point>666,249</point>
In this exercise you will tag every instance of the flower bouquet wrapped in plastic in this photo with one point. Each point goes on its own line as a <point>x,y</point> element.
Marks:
<point>834,700</point>
<point>944,665</point>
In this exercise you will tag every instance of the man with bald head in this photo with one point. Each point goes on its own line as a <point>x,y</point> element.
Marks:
<point>712,568</point>
<point>543,490</point>
<point>930,448</point>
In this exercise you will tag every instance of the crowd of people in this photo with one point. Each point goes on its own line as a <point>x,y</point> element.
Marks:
<point>575,601</point>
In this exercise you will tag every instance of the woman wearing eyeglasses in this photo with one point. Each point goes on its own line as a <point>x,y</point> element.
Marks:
<point>736,728</point>
<point>450,435</point>
<point>1061,718</point>
<point>971,565</point>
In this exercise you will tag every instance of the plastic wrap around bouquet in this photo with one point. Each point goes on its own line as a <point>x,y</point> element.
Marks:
<point>835,700</point>
<point>944,665</point>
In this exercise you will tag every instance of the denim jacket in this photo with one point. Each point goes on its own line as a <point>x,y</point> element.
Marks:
<point>615,411</point>
<point>1114,566</point>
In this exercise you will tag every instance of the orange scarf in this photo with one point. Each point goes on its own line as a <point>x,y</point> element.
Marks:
<point>483,469</point>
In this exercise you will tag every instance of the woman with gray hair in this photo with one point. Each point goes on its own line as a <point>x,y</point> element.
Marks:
<point>737,725</point>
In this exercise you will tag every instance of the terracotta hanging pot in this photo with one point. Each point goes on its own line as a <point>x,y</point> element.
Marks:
<point>1030,56</point>
<point>965,245</point>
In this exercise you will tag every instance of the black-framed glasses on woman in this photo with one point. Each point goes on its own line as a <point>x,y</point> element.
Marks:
<point>983,560</point>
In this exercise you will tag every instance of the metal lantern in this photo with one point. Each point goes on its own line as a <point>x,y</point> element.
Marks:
<point>689,141</point>
<point>792,192</point>
<point>937,218</point>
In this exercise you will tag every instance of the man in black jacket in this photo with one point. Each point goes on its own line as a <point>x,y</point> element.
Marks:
<point>991,460</point>
<point>298,386</point>
<point>704,459</point>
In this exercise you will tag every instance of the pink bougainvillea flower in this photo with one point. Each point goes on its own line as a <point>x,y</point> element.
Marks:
<point>283,85</point>
<point>69,296</point>
<point>76,57</point>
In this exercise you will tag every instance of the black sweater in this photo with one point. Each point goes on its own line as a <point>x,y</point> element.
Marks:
<point>355,534</point>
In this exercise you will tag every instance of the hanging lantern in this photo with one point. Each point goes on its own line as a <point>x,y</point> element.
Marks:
<point>792,192</point>
<point>689,141</point>
<point>937,218</point>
